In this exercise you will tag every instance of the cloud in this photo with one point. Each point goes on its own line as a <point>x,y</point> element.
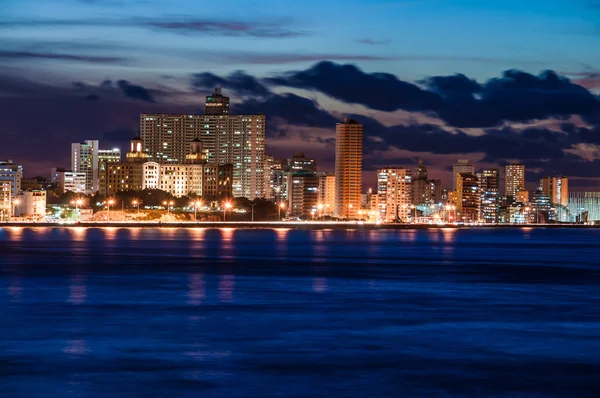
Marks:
<point>372,42</point>
<point>238,81</point>
<point>228,28</point>
<point>68,57</point>
<point>257,58</point>
<point>135,92</point>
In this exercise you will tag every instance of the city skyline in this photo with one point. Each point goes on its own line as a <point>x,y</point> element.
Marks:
<point>483,101</point>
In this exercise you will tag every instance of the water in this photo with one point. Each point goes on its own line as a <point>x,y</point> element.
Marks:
<point>232,313</point>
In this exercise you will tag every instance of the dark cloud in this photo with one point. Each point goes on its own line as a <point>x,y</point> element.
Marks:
<point>91,97</point>
<point>257,58</point>
<point>381,91</point>
<point>452,86</point>
<point>229,28</point>
<point>239,82</point>
<point>68,57</point>
<point>135,92</point>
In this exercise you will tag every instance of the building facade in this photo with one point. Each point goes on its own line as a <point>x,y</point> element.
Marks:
<point>557,188</point>
<point>467,197</point>
<point>109,155</point>
<point>13,173</point>
<point>217,103</point>
<point>31,204</point>
<point>327,194</point>
<point>67,180</point>
<point>425,191</point>
<point>84,159</point>
<point>489,189</point>
<point>514,179</point>
<point>394,194</point>
<point>584,206</point>
<point>348,168</point>
<point>462,166</point>
<point>5,200</point>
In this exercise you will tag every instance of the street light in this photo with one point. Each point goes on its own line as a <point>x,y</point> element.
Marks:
<point>78,202</point>
<point>136,203</point>
<point>196,204</point>
<point>252,204</point>
<point>320,208</point>
<point>16,203</point>
<point>169,204</point>
<point>281,206</point>
<point>109,203</point>
<point>226,206</point>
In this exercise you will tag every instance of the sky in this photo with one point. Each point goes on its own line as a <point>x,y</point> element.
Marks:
<point>438,80</point>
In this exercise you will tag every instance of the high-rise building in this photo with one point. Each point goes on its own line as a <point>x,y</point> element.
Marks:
<point>217,103</point>
<point>327,194</point>
<point>462,166</point>
<point>13,173</point>
<point>348,168</point>
<point>5,200</point>
<point>467,197</point>
<point>68,180</point>
<point>557,188</point>
<point>489,189</point>
<point>302,186</point>
<point>227,139</point>
<point>514,179</point>
<point>84,159</point>
<point>425,191</point>
<point>394,194</point>
<point>268,179</point>
<point>540,207</point>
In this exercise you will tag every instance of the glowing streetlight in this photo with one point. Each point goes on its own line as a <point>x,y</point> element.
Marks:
<point>279,208</point>
<point>15,203</point>
<point>168,204</point>
<point>109,203</point>
<point>136,203</point>
<point>77,202</point>
<point>196,204</point>
<point>226,206</point>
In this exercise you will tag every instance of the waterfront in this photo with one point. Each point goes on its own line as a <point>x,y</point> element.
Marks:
<point>285,312</point>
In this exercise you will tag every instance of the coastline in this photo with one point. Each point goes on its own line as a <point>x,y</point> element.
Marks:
<point>281,224</point>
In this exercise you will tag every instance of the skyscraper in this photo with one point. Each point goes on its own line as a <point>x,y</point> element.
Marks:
<point>217,103</point>
<point>557,188</point>
<point>489,189</point>
<point>84,159</point>
<point>467,197</point>
<point>327,194</point>
<point>302,185</point>
<point>13,173</point>
<point>463,166</point>
<point>514,179</point>
<point>394,194</point>
<point>348,168</point>
<point>424,191</point>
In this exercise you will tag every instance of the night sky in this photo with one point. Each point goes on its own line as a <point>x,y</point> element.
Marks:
<point>489,81</point>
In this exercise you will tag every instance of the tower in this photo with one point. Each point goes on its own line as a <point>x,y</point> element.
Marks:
<point>348,168</point>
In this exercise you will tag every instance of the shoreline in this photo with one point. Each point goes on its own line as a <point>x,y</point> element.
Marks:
<point>281,224</point>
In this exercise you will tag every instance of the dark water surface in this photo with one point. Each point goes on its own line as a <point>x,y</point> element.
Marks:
<point>106,312</point>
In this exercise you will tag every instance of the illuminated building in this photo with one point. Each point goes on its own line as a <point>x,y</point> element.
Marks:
<point>5,200</point>
<point>68,180</point>
<point>467,197</point>
<point>522,196</point>
<point>217,103</point>
<point>270,165</point>
<point>394,194</point>
<point>238,140</point>
<point>84,159</point>
<point>585,206</point>
<point>302,186</point>
<point>540,207</point>
<point>31,204</point>
<point>557,188</point>
<point>327,194</point>
<point>13,173</point>
<point>514,179</point>
<point>217,180</point>
<point>348,168</point>
<point>109,155</point>
<point>463,166</point>
<point>489,189</point>
<point>425,191</point>
<point>124,176</point>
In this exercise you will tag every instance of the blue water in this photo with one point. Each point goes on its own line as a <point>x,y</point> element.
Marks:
<point>291,313</point>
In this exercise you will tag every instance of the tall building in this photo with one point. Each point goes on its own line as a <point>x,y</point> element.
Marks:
<point>109,155</point>
<point>489,189</point>
<point>540,207</point>
<point>13,173</point>
<point>514,179</point>
<point>268,178</point>
<point>68,180</point>
<point>463,166</point>
<point>327,194</point>
<point>394,194</point>
<point>5,200</point>
<point>348,168</point>
<point>125,176</point>
<point>557,188</point>
<point>227,139</point>
<point>425,191</point>
<point>217,103</point>
<point>217,180</point>
<point>302,185</point>
<point>84,159</point>
<point>467,197</point>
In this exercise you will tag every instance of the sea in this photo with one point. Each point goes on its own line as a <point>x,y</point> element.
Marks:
<point>226,312</point>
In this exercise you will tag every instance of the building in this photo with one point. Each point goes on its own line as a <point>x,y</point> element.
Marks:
<point>584,206</point>
<point>268,179</point>
<point>5,200</point>
<point>84,159</point>
<point>327,194</point>
<point>394,194</point>
<point>13,173</point>
<point>67,180</point>
<point>181,179</point>
<point>216,104</point>
<point>425,191</point>
<point>348,168</point>
<point>302,189</point>
<point>218,180</point>
<point>522,196</point>
<point>109,155</point>
<point>463,166</point>
<point>541,207</point>
<point>238,140</point>
<point>557,188</point>
<point>489,189</point>
<point>514,179</point>
<point>467,197</point>
<point>125,176</point>
<point>31,204</point>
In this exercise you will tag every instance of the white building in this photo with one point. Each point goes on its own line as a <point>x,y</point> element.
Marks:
<point>5,200</point>
<point>84,159</point>
<point>68,180</point>
<point>31,204</point>
<point>13,173</point>
<point>394,194</point>
<point>109,155</point>
<point>181,179</point>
